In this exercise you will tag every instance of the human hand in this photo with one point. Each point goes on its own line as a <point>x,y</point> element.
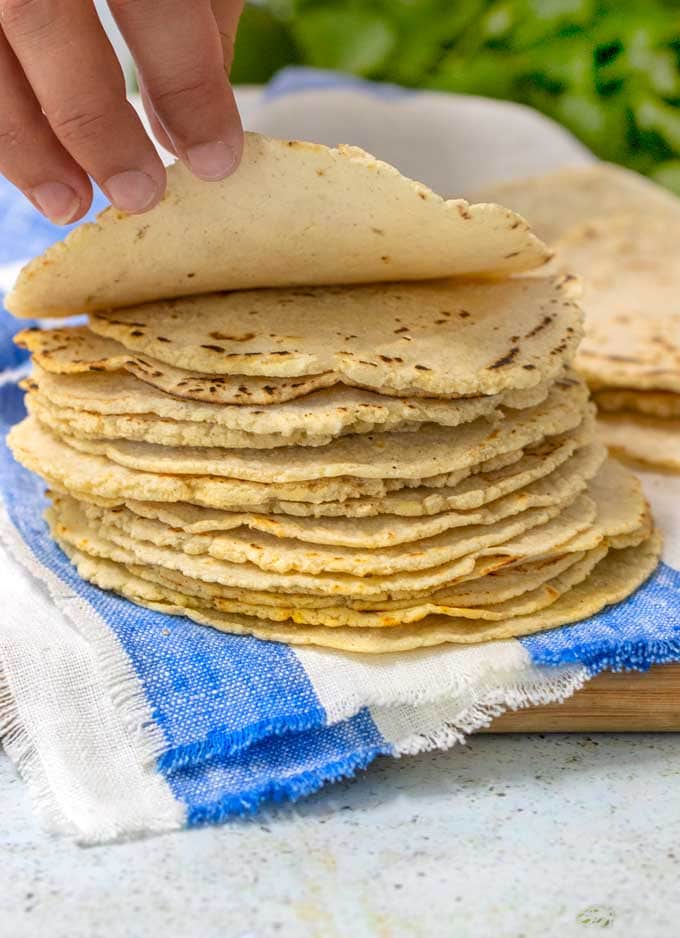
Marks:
<point>63,111</point>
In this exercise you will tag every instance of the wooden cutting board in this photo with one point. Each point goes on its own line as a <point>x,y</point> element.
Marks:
<point>615,703</point>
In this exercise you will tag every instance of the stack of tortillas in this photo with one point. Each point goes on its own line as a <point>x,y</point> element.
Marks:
<point>621,233</point>
<point>390,462</point>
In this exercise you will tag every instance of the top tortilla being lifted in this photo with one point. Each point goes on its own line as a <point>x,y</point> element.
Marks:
<point>293,214</point>
<point>437,337</point>
<point>555,202</point>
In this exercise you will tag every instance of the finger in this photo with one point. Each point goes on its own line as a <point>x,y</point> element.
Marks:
<point>156,126</point>
<point>78,82</point>
<point>178,52</point>
<point>227,13</point>
<point>31,157</point>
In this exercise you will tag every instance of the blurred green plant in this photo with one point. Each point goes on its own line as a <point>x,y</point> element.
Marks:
<point>609,70</point>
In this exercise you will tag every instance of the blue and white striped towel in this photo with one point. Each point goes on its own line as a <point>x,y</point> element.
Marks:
<point>124,721</point>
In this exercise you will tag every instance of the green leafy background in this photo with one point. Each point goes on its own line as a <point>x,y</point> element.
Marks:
<point>609,71</point>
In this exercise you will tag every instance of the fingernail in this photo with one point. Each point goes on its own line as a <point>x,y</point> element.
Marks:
<point>57,201</point>
<point>131,191</point>
<point>211,161</point>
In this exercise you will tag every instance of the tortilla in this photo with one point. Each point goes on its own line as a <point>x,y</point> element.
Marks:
<point>618,508</point>
<point>110,405</point>
<point>557,201</point>
<point>64,467</point>
<point>82,425</point>
<point>285,555</point>
<point>384,531</point>
<point>487,589</point>
<point>631,298</point>
<point>473,487</point>
<point>69,523</point>
<point>432,451</point>
<point>649,403</point>
<point>622,508</point>
<point>654,443</point>
<point>617,230</point>
<point>529,600</point>
<point>564,483</point>
<point>616,577</point>
<point>260,227</point>
<point>332,410</point>
<point>78,351</point>
<point>84,360</point>
<point>341,616</point>
<point>490,581</point>
<point>96,479</point>
<point>397,336</point>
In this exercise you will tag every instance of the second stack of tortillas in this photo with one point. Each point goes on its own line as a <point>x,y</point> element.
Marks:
<point>620,232</point>
<point>385,463</point>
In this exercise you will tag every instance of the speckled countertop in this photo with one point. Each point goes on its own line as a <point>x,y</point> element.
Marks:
<point>510,837</point>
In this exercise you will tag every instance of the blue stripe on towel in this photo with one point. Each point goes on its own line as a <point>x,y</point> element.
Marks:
<point>632,635</point>
<point>282,768</point>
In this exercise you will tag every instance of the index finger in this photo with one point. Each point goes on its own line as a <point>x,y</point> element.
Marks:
<point>178,50</point>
